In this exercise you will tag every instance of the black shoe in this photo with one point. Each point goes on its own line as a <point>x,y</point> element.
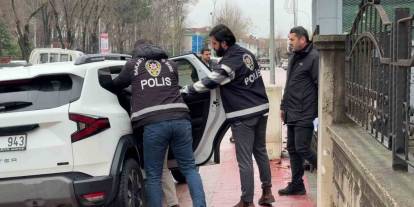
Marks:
<point>293,189</point>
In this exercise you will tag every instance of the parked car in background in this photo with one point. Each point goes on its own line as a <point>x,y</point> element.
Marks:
<point>51,55</point>
<point>264,63</point>
<point>7,61</point>
<point>284,63</point>
<point>13,63</point>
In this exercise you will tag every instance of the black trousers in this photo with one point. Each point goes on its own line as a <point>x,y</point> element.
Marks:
<point>298,146</point>
<point>250,139</point>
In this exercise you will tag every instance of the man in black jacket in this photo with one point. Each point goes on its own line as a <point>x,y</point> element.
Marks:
<point>158,108</point>
<point>299,106</point>
<point>246,105</point>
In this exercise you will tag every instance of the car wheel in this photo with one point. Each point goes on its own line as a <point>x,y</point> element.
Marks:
<point>178,176</point>
<point>131,186</point>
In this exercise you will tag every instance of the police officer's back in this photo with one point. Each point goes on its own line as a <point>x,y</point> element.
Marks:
<point>158,108</point>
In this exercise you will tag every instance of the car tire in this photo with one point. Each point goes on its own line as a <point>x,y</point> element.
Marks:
<point>131,186</point>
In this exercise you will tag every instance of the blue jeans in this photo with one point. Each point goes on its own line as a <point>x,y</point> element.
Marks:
<point>157,137</point>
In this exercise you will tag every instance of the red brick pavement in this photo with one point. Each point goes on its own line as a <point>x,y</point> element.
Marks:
<point>222,184</point>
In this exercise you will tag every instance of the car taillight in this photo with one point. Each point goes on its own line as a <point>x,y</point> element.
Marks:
<point>93,198</point>
<point>88,126</point>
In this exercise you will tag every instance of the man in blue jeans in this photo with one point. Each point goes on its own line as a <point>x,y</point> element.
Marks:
<point>158,108</point>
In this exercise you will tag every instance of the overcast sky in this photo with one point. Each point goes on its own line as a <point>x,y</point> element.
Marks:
<point>259,13</point>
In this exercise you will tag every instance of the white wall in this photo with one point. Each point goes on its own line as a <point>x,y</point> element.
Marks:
<point>328,15</point>
<point>187,43</point>
<point>251,47</point>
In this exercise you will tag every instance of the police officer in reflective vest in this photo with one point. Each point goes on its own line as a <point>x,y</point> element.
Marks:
<point>158,108</point>
<point>246,105</point>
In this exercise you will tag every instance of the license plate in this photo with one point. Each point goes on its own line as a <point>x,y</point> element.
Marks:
<point>13,143</point>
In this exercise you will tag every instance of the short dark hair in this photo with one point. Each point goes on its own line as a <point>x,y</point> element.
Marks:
<point>142,41</point>
<point>300,32</point>
<point>204,49</point>
<point>222,33</point>
<point>137,44</point>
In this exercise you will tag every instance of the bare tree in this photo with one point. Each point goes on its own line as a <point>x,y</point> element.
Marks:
<point>57,23</point>
<point>97,10</point>
<point>231,16</point>
<point>22,24</point>
<point>77,23</point>
<point>46,20</point>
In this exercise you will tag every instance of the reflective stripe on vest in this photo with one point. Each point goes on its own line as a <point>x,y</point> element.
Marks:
<point>158,108</point>
<point>247,111</point>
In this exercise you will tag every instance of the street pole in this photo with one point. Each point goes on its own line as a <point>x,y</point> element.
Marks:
<point>99,35</point>
<point>295,13</point>
<point>272,42</point>
<point>213,13</point>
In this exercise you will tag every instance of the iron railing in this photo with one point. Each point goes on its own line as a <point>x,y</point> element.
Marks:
<point>379,65</point>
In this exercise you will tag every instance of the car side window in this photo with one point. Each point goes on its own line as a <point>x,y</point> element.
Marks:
<point>187,73</point>
<point>106,75</point>
<point>44,57</point>
<point>54,57</point>
<point>64,57</point>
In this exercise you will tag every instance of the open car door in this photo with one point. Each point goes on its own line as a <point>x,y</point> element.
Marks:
<point>206,110</point>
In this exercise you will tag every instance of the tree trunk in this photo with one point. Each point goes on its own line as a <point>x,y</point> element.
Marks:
<point>46,27</point>
<point>58,29</point>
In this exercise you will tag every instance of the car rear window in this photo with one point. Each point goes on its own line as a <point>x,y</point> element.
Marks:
<point>43,92</point>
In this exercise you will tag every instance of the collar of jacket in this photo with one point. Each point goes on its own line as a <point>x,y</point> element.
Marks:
<point>305,50</point>
<point>231,48</point>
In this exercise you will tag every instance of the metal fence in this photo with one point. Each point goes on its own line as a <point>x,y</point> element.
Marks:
<point>379,73</point>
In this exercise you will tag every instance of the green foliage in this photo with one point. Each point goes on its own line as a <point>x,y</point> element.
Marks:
<point>8,45</point>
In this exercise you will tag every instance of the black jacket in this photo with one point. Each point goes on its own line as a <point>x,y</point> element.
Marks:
<point>155,91</point>
<point>241,85</point>
<point>300,98</point>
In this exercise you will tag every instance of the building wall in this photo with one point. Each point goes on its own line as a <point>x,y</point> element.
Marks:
<point>328,15</point>
<point>354,169</point>
<point>187,43</point>
<point>251,47</point>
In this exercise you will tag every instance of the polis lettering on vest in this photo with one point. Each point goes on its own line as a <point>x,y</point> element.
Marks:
<point>252,77</point>
<point>156,82</point>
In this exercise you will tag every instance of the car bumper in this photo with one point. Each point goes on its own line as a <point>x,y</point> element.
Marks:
<point>52,190</point>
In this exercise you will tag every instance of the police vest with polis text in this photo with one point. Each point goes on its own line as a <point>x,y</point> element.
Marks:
<point>245,96</point>
<point>156,94</point>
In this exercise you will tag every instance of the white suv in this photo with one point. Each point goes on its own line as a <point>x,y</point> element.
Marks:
<point>65,140</point>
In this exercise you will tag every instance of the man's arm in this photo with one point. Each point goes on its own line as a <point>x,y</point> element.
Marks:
<point>315,70</point>
<point>282,108</point>
<point>124,78</point>
<point>221,74</point>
